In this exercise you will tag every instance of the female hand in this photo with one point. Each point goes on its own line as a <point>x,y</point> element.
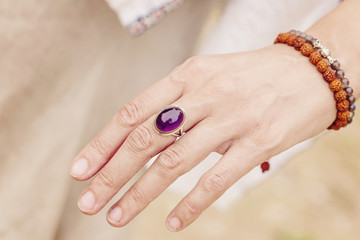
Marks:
<point>246,106</point>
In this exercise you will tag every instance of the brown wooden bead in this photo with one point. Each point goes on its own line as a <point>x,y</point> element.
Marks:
<point>343,105</point>
<point>329,75</point>
<point>322,66</point>
<point>283,37</point>
<point>343,116</point>
<point>335,85</point>
<point>298,42</point>
<point>340,96</point>
<point>306,49</point>
<point>315,57</point>
<point>290,41</point>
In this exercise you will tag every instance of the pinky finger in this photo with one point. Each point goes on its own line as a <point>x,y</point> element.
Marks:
<point>233,165</point>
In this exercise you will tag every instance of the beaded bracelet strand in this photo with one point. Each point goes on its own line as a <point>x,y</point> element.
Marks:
<point>329,67</point>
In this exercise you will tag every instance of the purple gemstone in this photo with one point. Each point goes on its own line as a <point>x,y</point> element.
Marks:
<point>169,119</point>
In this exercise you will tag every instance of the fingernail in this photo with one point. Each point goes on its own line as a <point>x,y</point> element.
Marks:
<point>87,201</point>
<point>174,224</point>
<point>79,168</point>
<point>115,215</point>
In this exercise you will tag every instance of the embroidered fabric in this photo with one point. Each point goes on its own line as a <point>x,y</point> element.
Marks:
<point>139,15</point>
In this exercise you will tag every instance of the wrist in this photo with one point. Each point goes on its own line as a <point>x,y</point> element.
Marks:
<point>303,79</point>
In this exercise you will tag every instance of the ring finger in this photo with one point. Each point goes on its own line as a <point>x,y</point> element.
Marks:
<point>173,162</point>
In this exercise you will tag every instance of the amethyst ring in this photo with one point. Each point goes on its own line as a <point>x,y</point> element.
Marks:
<point>170,121</point>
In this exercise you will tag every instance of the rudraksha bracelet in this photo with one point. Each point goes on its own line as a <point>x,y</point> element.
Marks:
<point>329,67</point>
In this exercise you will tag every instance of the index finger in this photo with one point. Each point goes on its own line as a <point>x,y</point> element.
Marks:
<point>100,150</point>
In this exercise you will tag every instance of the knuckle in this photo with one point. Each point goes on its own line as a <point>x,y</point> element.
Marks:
<point>137,194</point>
<point>140,139</point>
<point>214,182</point>
<point>192,67</point>
<point>192,207</point>
<point>101,146</point>
<point>129,115</point>
<point>106,178</point>
<point>171,159</point>
<point>176,77</point>
<point>264,140</point>
<point>196,62</point>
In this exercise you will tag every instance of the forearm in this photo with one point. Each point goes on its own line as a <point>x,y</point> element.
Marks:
<point>340,32</point>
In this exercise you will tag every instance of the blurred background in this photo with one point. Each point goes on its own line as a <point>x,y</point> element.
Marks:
<point>67,66</point>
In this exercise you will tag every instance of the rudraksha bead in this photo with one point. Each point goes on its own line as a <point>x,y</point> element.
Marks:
<point>298,42</point>
<point>342,106</point>
<point>306,49</point>
<point>334,127</point>
<point>322,66</point>
<point>337,124</point>
<point>340,96</point>
<point>283,37</point>
<point>315,57</point>
<point>335,85</point>
<point>343,116</point>
<point>329,75</point>
<point>291,39</point>
<point>340,123</point>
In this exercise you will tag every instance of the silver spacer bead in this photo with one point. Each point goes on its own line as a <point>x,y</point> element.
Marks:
<point>331,59</point>
<point>316,43</point>
<point>325,52</point>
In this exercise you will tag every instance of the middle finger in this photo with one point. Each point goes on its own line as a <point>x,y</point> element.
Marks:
<point>142,144</point>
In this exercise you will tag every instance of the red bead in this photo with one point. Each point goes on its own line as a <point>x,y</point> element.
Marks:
<point>265,166</point>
